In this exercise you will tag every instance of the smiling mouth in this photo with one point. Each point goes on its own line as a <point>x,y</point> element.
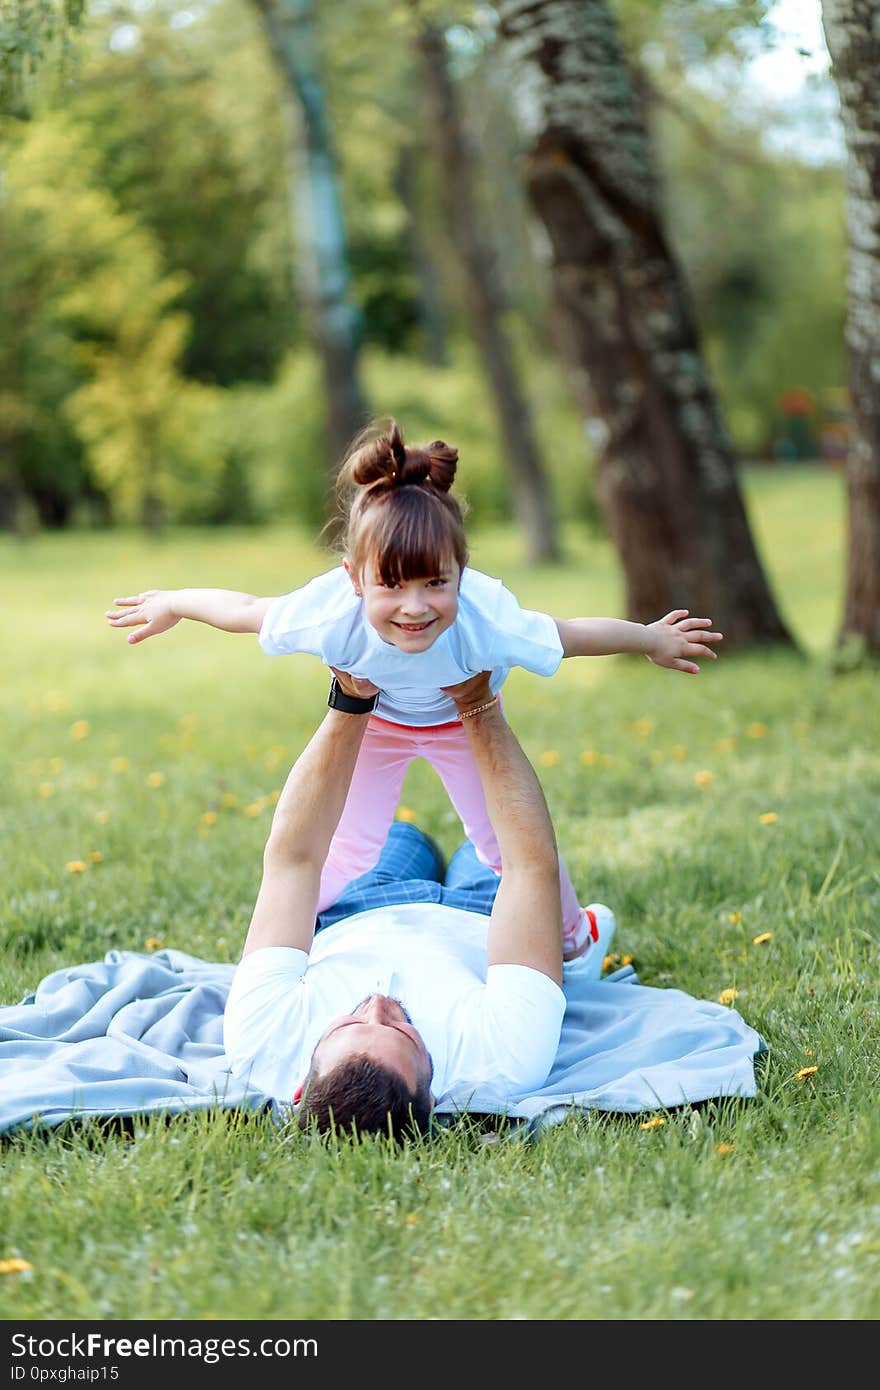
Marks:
<point>415,627</point>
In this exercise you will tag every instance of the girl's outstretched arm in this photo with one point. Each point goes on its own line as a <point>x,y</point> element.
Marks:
<point>674,641</point>
<point>157,610</point>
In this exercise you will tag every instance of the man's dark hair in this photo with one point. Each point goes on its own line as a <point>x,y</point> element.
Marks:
<point>362,1096</point>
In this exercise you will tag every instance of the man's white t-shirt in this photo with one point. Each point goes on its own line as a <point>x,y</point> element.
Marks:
<point>490,633</point>
<point>492,1032</point>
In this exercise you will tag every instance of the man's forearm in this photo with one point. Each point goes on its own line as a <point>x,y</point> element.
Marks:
<point>514,797</point>
<point>313,798</point>
<point>602,636</point>
<point>222,608</point>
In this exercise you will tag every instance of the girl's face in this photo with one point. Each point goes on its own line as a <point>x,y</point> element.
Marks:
<point>412,614</point>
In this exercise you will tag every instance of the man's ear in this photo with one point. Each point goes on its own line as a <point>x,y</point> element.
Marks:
<point>347,566</point>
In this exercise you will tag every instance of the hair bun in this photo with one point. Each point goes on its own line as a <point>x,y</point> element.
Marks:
<point>385,462</point>
<point>442,463</point>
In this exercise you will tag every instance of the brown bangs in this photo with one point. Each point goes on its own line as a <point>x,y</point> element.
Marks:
<point>411,534</point>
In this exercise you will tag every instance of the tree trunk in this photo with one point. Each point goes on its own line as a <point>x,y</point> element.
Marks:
<point>666,474</point>
<point>290,26</point>
<point>430,299</point>
<point>852,30</point>
<point>532,504</point>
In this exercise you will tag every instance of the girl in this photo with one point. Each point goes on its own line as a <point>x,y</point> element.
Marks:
<point>405,612</point>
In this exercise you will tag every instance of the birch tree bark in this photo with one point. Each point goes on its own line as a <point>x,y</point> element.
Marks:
<point>530,491</point>
<point>852,31</point>
<point>666,473</point>
<point>290,29</point>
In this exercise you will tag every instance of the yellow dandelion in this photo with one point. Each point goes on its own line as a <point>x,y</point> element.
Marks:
<point>96,856</point>
<point>610,961</point>
<point>808,1052</point>
<point>411,1218</point>
<point>805,1073</point>
<point>272,798</point>
<point>762,938</point>
<point>757,730</point>
<point>56,764</point>
<point>46,789</point>
<point>76,866</point>
<point>679,751</point>
<point>15,1266</point>
<point>90,781</point>
<point>703,779</point>
<point>643,727</point>
<point>726,744</point>
<point>656,1123</point>
<point>734,918</point>
<point>153,943</point>
<point>209,817</point>
<point>102,817</point>
<point>550,758</point>
<point>627,960</point>
<point>768,818</point>
<point>656,757</point>
<point>155,779</point>
<point>275,755</point>
<point>589,757</point>
<point>80,729</point>
<point>728,995</point>
<point>405,813</point>
<point>724,1148</point>
<point>229,800</point>
<point>253,809</point>
<point>120,764</point>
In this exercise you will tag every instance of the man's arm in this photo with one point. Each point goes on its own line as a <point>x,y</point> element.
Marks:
<point>157,610</point>
<point>305,819</point>
<point>525,927</point>
<point>674,641</point>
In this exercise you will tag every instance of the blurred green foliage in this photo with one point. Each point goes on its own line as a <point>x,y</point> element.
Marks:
<point>156,357</point>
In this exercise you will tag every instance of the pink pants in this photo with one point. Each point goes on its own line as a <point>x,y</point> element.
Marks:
<point>386,753</point>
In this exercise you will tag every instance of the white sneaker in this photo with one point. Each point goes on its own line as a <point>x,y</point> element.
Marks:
<point>589,965</point>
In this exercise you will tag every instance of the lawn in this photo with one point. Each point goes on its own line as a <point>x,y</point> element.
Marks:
<point>709,812</point>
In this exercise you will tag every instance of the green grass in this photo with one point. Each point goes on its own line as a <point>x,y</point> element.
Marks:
<point>223,1215</point>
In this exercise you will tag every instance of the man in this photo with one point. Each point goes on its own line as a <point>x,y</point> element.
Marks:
<point>410,1001</point>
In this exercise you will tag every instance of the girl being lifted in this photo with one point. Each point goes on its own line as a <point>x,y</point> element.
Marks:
<point>404,612</point>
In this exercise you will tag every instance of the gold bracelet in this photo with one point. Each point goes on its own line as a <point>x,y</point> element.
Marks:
<point>469,713</point>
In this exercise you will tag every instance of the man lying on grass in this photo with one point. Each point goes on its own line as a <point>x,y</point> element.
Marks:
<point>413,990</point>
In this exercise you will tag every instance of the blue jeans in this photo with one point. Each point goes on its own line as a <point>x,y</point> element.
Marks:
<point>410,870</point>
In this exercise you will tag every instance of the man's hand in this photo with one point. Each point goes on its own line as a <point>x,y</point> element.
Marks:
<point>357,689</point>
<point>471,693</point>
<point>676,640</point>
<point>151,612</point>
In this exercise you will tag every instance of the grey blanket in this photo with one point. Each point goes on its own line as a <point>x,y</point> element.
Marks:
<point>134,1034</point>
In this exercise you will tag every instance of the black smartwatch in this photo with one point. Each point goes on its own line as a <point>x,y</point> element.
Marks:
<point>349,704</point>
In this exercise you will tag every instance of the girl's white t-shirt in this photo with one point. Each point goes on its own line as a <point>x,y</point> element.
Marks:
<point>492,1031</point>
<point>491,632</point>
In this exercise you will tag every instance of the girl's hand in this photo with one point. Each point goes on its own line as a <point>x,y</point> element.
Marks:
<point>357,689</point>
<point>676,640</point>
<point>151,612</point>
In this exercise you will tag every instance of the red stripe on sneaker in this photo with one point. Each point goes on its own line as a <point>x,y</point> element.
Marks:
<point>591,918</point>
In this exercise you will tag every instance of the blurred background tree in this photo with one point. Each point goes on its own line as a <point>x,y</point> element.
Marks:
<point>853,31</point>
<point>184,122</point>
